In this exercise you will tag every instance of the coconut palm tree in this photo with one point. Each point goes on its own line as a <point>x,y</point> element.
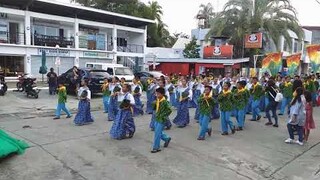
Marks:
<point>273,17</point>
<point>156,11</point>
<point>206,13</point>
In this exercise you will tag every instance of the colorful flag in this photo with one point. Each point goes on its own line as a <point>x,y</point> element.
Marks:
<point>293,62</point>
<point>313,52</point>
<point>272,63</point>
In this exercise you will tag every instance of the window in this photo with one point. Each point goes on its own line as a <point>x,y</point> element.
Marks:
<point>51,31</point>
<point>39,30</point>
<point>110,71</point>
<point>123,71</point>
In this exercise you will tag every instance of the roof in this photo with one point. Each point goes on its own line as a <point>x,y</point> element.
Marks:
<point>181,43</point>
<point>311,28</point>
<point>206,61</point>
<point>75,10</point>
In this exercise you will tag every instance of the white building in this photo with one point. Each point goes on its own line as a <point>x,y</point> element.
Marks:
<point>70,34</point>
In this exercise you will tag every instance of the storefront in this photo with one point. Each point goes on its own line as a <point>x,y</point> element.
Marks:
<point>11,66</point>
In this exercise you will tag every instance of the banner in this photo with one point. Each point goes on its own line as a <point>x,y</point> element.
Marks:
<point>224,51</point>
<point>253,41</point>
<point>272,63</point>
<point>293,62</point>
<point>313,52</point>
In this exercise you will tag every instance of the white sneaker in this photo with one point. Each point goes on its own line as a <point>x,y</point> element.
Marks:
<point>298,142</point>
<point>289,141</point>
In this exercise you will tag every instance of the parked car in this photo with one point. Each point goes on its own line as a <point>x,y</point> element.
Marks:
<point>95,79</point>
<point>113,69</point>
<point>144,75</point>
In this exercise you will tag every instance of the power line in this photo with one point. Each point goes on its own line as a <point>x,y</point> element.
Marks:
<point>317,1</point>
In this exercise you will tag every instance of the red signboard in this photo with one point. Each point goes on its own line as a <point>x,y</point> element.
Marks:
<point>253,40</point>
<point>224,51</point>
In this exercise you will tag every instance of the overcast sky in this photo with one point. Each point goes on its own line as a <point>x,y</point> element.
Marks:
<point>179,14</point>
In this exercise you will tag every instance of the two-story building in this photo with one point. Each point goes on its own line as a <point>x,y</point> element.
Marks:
<point>70,34</point>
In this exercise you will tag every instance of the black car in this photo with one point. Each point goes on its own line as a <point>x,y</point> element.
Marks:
<point>95,78</point>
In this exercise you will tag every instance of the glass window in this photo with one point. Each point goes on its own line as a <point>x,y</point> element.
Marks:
<point>123,71</point>
<point>110,71</point>
<point>39,30</point>
<point>51,31</point>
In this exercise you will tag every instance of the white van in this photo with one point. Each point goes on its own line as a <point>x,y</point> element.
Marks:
<point>113,69</point>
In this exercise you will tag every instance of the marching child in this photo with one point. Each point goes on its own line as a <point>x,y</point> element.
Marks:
<point>115,88</point>
<point>206,104</point>
<point>136,90</point>
<point>257,93</point>
<point>309,124</point>
<point>106,95</point>
<point>62,99</point>
<point>225,100</point>
<point>182,118</point>
<point>123,126</point>
<point>84,116</point>
<point>163,110</point>
<point>241,97</point>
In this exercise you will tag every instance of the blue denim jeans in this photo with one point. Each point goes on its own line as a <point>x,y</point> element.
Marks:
<point>159,135</point>
<point>272,106</point>
<point>62,106</point>
<point>299,129</point>
<point>255,109</point>
<point>226,121</point>
<point>285,103</point>
<point>105,100</point>
<point>240,117</point>
<point>204,121</point>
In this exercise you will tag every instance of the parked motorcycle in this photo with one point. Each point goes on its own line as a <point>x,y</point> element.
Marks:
<point>3,86</point>
<point>31,88</point>
<point>22,82</point>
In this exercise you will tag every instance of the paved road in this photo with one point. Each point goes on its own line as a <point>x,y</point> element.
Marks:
<point>59,150</point>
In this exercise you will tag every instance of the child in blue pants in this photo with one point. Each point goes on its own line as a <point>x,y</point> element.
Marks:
<point>226,100</point>
<point>206,103</point>
<point>162,111</point>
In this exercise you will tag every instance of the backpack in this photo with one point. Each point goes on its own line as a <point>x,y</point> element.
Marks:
<point>279,95</point>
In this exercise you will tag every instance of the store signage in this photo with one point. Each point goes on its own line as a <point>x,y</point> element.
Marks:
<point>3,15</point>
<point>224,51</point>
<point>54,52</point>
<point>253,40</point>
<point>94,54</point>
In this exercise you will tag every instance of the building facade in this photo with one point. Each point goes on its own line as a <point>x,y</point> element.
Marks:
<point>71,35</point>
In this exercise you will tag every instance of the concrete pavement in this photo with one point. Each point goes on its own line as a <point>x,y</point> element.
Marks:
<point>59,150</point>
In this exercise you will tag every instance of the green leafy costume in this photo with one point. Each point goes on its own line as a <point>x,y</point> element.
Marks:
<point>206,106</point>
<point>62,95</point>
<point>241,98</point>
<point>164,111</point>
<point>257,92</point>
<point>286,90</point>
<point>226,102</point>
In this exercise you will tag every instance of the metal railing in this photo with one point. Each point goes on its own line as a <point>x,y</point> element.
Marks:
<point>133,48</point>
<point>12,38</point>
<point>45,40</point>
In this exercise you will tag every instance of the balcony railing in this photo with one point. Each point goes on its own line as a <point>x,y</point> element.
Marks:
<point>45,40</point>
<point>133,48</point>
<point>11,38</point>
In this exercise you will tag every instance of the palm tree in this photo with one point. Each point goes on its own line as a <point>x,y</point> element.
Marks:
<point>156,11</point>
<point>206,13</point>
<point>273,17</point>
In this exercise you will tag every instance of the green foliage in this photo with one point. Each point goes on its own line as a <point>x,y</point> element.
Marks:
<point>273,17</point>
<point>206,13</point>
<point>158,34</point>
<point>192,49</point>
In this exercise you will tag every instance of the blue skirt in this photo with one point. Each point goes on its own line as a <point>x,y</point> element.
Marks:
<point>167,123</point>
<point>122,125</point>
<point>137,108</point>
<point>83,116</point>
<point>113,108</point>
<point>182,119</point>
<point>173,101</point>
<point>150,98</point>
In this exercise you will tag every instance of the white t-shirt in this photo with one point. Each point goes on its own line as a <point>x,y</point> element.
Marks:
<point>133,87</point>
<point>127,96</point>
<point>81,89</point>
<point>182,89</point>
